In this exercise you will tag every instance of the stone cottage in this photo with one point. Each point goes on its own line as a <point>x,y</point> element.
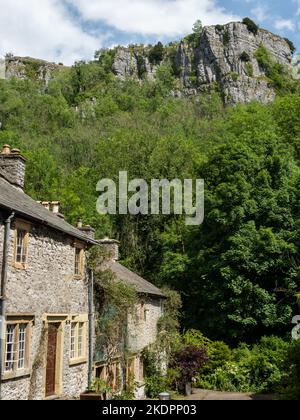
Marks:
<point>44,294</point>
<point>46,298</point>
<point>142,327</point>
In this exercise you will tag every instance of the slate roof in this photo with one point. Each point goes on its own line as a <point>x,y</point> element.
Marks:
<point>141,285</point>
<point>15,200</point>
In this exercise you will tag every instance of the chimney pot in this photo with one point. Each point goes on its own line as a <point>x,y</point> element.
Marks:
<point>5,150</point>
<point>55,207</point>
<point>46,204</point>
<point>79,224</point>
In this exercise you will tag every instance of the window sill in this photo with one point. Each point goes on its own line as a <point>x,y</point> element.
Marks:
<point>16,375</point>
<point>79,278</point>
<point>20,266</point>
<point>76,362</point>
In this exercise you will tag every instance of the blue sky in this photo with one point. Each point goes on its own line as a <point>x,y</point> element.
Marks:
<point>69,30</point>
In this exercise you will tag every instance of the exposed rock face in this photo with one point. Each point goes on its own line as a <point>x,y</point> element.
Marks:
<point>217,59</point>
<point>223,57</point>
<point>27,67</point>
<point>128,63</point>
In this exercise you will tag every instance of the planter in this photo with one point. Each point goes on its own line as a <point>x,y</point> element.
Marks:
<point>92,396</point>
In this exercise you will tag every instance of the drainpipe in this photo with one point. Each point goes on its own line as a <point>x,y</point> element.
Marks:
<point>7,226</point>
<point>91,328</point>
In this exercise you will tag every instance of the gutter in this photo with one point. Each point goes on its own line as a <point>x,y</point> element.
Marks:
<point>91,329</point>
<point>7,227</point>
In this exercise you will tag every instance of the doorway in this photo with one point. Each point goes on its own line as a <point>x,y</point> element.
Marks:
<point>53,359</point>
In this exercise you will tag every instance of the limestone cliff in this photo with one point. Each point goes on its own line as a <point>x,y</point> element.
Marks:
<point>223,56</point>
<point>27,67</point>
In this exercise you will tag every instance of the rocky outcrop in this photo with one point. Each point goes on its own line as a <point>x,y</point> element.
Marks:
<point>26,67</point>
<point>130,63</point>
<point>223,56</point>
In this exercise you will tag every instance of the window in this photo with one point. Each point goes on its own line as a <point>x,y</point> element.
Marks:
<point>16,356</point>
<point>79,262</point>
<point>143,312</point>
<point>111,374</point>
<point>21,245</point>
<point>78,342</point>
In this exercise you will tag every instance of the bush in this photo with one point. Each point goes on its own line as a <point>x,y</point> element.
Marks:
<point>156,54</point>
<point>252,27</point>
<point>291,389</point>
<point>274,71</point>
<point>189,361</point>
<point>260,368</point>
<point>226,38</point>
<point>291,45</point>
<point>154,386</point>
<point>249,69</point>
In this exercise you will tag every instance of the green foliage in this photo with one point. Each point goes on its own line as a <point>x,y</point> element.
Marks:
<point>276,72</point>
<point>252,26</point>
<point>249,69</point>
<point>155,385</point>
<point>260,368</point>
<point>291,389</point>
<point>226,38</point>
<point>245,57</point>
<point>198,27</point>
<point>291,45</point>
<point>156,54</point>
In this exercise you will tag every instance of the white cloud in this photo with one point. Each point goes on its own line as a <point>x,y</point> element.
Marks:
<point>153,17</point>
<point>43,29</point>
<point>260,13</point>
<point>282,24</point>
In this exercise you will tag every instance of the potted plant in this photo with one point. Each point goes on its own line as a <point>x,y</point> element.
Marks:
<point>99,391</point>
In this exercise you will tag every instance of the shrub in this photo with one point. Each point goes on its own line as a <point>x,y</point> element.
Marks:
<point>154,385</point>
<point>189,361</point>
<point>156,54</point>
<point>226,38</point>
<point>276,72</point>
<point>249,69</point>
<point>219,28</point>
<point>252,27</point>
<point>291,389</point>
<point>245,57</point>
<point>291,45</point>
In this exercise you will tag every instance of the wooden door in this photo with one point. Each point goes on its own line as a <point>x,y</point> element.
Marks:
<point>51,360</point>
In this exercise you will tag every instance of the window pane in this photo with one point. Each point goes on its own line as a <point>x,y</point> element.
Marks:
<point>21,248</point>
<point>73,340</point>
<point>80,339</point>
<point>10,348</point>
<point>22,346</point>
<point>77,261</point>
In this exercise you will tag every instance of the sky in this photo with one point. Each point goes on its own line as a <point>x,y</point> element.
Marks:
<point>70,30</point>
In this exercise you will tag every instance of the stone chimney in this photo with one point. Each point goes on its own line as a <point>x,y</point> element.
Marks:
<point>86,230</point>
<point>112,247</point>
<point>12,166</point>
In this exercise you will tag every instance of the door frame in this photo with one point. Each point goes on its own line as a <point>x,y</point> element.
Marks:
<point>61,321</point>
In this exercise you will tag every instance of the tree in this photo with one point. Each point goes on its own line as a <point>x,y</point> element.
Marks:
<point>198,27</point>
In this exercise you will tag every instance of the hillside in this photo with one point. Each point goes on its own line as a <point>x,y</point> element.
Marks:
<point>229,58</point>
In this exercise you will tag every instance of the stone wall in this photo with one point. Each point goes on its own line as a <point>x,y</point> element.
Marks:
<point>47,286</point>
<point>142,334</point>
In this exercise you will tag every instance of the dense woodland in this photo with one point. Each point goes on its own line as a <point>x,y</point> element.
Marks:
<point>239,273</point>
